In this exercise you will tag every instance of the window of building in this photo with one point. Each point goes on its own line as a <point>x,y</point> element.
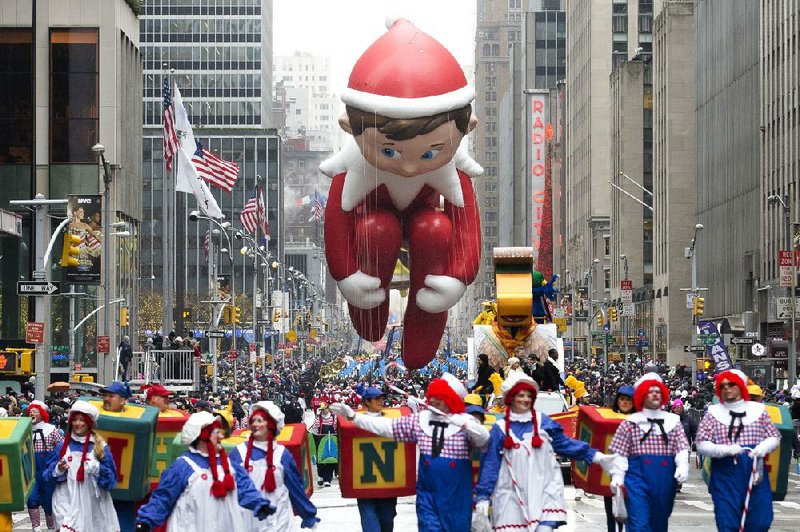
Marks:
<point>491,217</point>
<point>16,103</point>
<point>73,95</point>
<point>514,4</point>
<point>607,245</point>
<point>607,280</point>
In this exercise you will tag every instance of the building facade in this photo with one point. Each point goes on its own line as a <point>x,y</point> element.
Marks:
<point>67,82</point>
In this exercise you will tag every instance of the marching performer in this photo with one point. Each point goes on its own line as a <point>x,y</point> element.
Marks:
<point>46,440</point>
<point>85,474</point>
<point>445,436</point>
<point>655,456</point>
<point>198,492</point>
<point>622,404</point>
<point>324,431</point>
<point>519,473</point>
<point>274,472</point>
<point>734,433</point>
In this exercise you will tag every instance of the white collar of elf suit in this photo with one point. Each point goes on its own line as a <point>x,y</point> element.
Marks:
<point>722,411</point>
<point>425,418</point>
<point>641,419</point>
<point>362,178</point>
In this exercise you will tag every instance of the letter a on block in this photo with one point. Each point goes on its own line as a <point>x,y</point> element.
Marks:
<point>372,460</point>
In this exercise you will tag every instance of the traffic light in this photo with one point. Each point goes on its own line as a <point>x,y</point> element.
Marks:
<point>235,314</point>
<point>699,306</point>
<point>226,314</point>
<point>276,315</point>
<point>70,254</point>
<point>600,320</point>
<point>612,313</point>
<point>123,316</point>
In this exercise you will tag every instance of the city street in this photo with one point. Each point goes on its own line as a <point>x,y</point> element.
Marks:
<point>693,510</point>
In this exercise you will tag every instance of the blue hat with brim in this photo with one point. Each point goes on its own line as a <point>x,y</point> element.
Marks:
<point>626,390</point>
<point>117,388</point>
<point>475,409</point>
<point>371,393</point>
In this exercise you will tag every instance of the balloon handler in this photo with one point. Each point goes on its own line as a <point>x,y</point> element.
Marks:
<point>402,178</point>
<point>445,437</point>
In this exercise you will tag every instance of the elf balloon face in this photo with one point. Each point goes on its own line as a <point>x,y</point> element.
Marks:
<point>402,181</point>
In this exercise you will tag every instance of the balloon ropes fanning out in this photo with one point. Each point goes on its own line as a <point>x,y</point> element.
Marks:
<point>401,189</point>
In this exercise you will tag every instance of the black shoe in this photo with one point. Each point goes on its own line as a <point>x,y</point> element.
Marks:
<point>319,483</point>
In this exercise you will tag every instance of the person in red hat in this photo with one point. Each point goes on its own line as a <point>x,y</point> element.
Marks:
<point>520,459</point>
<point>273,471</point>
<point>202,490</point>
<point>655,456</point>
<point>46,439</point>
<point>733,433</point>
<point>445,438</point>
<point>158,396</point>
<point>403,177</point>
<point>84,474</point>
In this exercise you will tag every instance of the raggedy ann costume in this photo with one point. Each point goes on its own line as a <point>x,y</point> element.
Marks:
<point>725,434</point>
<point>370,213</point>
<point>655,456</point>
<point>445,443</point>
<point>274,472</point>
<point>46,442</point>
<point>197,492</point>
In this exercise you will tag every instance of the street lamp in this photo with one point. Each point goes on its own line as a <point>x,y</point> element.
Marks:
<point>99,150</point>
<point>624,258</point>
<point>691,254</point>
<point>786,204</point>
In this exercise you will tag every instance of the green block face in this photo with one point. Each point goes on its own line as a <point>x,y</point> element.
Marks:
<point>16,463</point>
<point>130,434</point>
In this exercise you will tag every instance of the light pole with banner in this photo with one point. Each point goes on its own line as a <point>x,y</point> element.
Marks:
<point>786,204</point>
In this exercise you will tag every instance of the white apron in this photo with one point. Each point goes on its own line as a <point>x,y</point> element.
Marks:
<point>198,511</point>
<point>541,485</point>
<point>283,518</point>
<point>83,506</point>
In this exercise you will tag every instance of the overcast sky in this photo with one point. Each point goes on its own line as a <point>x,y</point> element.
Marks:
<point>343,29</point>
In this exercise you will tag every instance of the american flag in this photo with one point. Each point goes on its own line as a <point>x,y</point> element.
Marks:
<point>213,169</point>
<point>171,142</point>
<point>254,215</point>
<point>205,243</point>
<point>317,208</point>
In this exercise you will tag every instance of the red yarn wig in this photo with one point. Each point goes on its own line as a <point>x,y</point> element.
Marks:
<point>439,389</point>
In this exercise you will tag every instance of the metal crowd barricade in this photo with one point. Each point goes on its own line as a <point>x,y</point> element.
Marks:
<point>177,369</point>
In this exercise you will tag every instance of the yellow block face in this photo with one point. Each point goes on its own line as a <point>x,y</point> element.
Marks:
<point>514,294</point>
<point>5,430</point>
<point>130,411</point>
<point>5,480</point>
<point>390,457</point>
<point>607,413</point>
<point>122,445</point>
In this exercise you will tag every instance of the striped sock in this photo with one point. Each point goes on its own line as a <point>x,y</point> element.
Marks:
<point>36,518</point>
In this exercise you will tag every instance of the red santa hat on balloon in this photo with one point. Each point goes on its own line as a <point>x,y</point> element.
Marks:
<point>643,385</point>
<point>450,390</point>
<point>735,376</point>
<point>406,73</point>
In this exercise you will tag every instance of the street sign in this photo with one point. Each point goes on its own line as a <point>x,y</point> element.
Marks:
<point>785,265</point>
<point>38,288</point>
<point>103,344</point>
<point>628,310</point>
<point>743,341</point>
<point>690,300</point>
<point>709,341</point>
<point>640,333</point>
<point>626,284</point>
<point>758,350</point>
<point>215,334</point>
<point>694,348</point>
<point>291,335</point>
<point>784,308</point>
<point>34,332</point>
<point>751,334</point>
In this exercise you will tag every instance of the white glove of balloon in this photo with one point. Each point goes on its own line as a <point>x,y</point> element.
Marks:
<point>362,290</point>
<point>440,293</point>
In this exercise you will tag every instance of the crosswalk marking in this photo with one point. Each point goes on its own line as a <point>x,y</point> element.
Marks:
<point>789,504</point>
<point>699,504</point>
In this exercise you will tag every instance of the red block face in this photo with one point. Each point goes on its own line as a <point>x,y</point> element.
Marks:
<point>373,467</point>
<point>596,426</point>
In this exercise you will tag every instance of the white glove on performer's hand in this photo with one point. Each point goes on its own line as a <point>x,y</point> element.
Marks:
<point>617,482</point>
<point>482,507</point>
<point>765,447</point>
<point>343,410</point>
<point>681,473</point>
<point>440,293</point>
<point>733,450</point>
<point>91,468</point>
<point>362,290</point>
<point>605,460</point>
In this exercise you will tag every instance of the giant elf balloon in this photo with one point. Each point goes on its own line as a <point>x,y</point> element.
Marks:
<point>402,180</point>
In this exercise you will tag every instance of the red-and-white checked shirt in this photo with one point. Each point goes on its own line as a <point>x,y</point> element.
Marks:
<point>713,430</point>
<point>408,429</point>
<point>628,441</point>
<point>46,437</point>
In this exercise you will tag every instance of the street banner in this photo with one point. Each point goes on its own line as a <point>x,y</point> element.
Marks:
<point>717,350</point>
<point>85,213</point>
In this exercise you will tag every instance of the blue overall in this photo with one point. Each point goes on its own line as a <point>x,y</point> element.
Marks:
<point>377,515</point>
<point>444,494</point>
<point>649,492</point>
<point>42,492</point>
<point>728,488</point>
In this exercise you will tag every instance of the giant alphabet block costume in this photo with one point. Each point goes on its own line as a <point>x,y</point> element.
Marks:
<point>402,180</point>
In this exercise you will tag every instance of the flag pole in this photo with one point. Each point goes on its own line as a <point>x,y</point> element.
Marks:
<point>168,198</point>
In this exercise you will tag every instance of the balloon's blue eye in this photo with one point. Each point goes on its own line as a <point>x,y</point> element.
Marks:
<point>430,154</point>
<point>391,153</point>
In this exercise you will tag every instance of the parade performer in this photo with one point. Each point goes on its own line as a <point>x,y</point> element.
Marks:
<point>377,515</point>
<point>734,433</point>
<point>158,396</point>
<point>327,452</point>
<point>445,436</point>
<point>46,440</point>
<point>84,474</point>
<point>520,474</point>
<point>622,404</point>
<point>403,178</point>
<point>655,455</point>
<point>201,490</point>
<point>274,472</point>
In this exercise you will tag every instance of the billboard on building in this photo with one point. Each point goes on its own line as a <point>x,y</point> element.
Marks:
<point>537,121</point>
<point>85,213</point>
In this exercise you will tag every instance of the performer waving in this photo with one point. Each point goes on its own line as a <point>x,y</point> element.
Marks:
<point>84,473</point>
<point>445,436</point>
<point>655,456</point>
<point>273,470</point>
<point>734,433</point>
<point>197,492</point>
<point>520,473</point>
